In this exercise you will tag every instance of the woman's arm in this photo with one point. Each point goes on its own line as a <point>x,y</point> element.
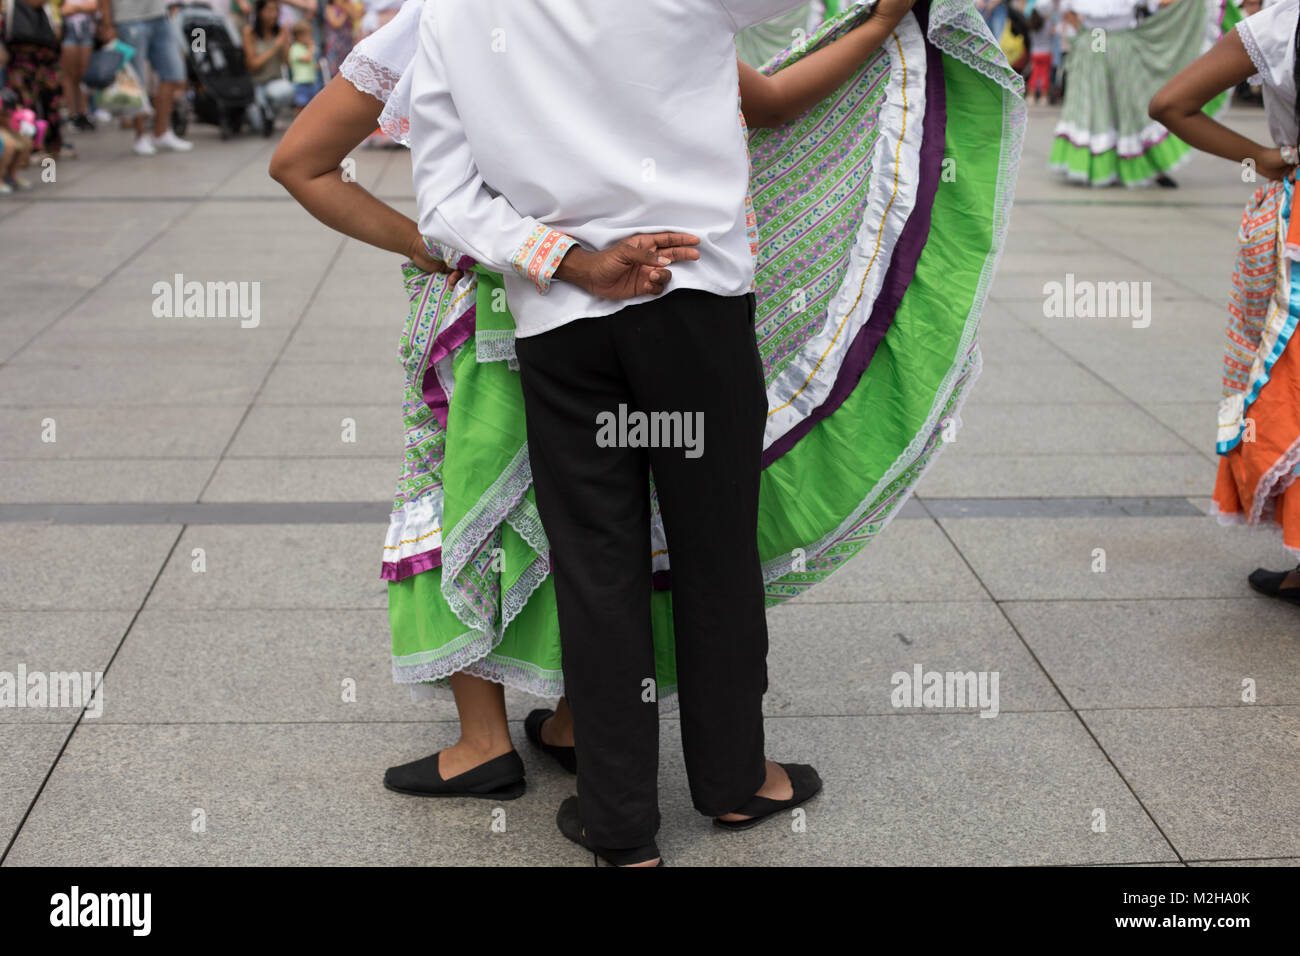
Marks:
<point>336,16</point>
<point>252,59</point>
<point>307,161</point>
<point>1178,106</point>
<point>777,99</point>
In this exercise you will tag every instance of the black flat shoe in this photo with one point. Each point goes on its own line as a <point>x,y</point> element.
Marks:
<point>570,825</point>
<point>564,756</point>
<point>501,778</point>
<point>1270,583</point>
<point>1165,182</point>
<point>803,780</point>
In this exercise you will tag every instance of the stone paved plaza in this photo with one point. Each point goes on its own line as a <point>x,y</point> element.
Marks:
<point>1120,690</point>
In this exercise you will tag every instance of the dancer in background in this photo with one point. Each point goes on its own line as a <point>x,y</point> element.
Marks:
<point>887,287</point>
<point>1114,67</point>
<point>1259,411</point>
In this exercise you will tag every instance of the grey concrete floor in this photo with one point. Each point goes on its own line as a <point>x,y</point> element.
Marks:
<point>225,736</point>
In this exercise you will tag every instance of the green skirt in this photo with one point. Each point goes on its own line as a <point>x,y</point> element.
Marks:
<point>1105,134</point>
<point>879,216</point>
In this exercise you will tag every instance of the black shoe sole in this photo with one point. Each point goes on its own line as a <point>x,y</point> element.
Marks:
<point>1288,598</point>
<point>510,791</point>
<point>736,825</point>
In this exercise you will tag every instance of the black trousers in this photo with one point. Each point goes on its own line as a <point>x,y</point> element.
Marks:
<point>691,352</point>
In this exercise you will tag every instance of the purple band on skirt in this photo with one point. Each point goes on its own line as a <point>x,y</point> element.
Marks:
<point>902,267</point>
<point>408,567</point>
<point>448,341</point>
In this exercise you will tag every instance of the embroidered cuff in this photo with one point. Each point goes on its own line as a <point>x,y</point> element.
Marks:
<point>540,255</point>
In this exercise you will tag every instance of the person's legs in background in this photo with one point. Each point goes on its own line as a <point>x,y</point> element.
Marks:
<point>15,152</point>
<point>158,43</point>
<point>269,100</point>
<point>302,95</point>
<point>1040,80</point>
<point>78,41</point>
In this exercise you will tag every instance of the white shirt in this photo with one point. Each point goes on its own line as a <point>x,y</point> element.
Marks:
<point>1269,39</point>
<point>1107,14</point>
<point>536,124</point>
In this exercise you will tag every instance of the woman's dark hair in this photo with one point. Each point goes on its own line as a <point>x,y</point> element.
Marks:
<point>257,19</point>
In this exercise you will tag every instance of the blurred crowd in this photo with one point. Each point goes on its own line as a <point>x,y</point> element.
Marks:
<point>1035,36</point>
<point>71,67</point>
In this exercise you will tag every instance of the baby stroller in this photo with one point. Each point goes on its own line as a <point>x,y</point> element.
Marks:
<point>220,87</point>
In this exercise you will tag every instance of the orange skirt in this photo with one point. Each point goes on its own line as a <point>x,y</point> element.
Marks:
<point>1256,479</point>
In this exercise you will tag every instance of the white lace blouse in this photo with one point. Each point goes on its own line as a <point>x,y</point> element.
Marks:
<point>378,63</point>
<point>1269,37</point>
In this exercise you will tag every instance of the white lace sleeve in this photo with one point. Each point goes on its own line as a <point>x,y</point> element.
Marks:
<point>369,76</point>
<point>377,62</point>
<point>1269,39</point>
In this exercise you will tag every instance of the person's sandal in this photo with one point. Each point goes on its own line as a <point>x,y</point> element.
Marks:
<point>1270,583</point>
<point>569,821</point>
<point>501,778</point>
<point>566,757</point>
<point>805,783</point>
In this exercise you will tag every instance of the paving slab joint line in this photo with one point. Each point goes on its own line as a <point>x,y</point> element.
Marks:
<point>81,716</point>
<point>1061,694</point>
<point>361,512</point>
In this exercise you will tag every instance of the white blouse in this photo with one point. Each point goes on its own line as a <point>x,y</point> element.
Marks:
<point>380,64</point>
<point>537,125</point>
<point>1269,37</point>
<point>1107,14</point>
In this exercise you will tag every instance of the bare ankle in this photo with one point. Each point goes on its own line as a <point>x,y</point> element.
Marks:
<point>486,745</point>
<point>557,730</point>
